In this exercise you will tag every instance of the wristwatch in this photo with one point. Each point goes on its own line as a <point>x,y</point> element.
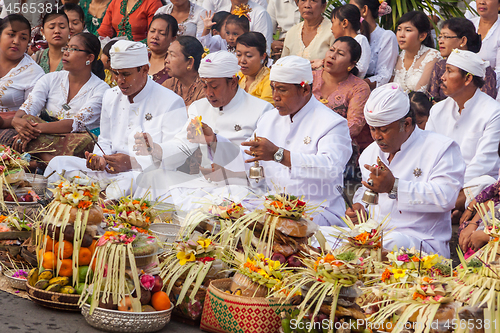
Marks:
<point>278,156</point>
<point>394,192</point>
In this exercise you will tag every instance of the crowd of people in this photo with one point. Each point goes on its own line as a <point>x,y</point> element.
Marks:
<point>182,100</point>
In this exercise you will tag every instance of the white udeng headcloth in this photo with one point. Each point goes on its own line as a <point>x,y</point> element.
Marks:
<point>386,104</point>
<point>128,54</point>
<point>468,61</point>
<point>221,64</point>
<point>292,69</point>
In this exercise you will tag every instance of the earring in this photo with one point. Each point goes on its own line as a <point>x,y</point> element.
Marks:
<point>87,62</point>
<point>461,45</point>
<point>349,69</point>
<point>188,68</point>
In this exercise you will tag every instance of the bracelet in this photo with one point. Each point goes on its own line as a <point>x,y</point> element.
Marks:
<point>471,209</point>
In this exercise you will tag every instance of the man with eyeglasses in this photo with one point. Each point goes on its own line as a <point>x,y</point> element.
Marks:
<point>472,119</point>
<point>135,107</point>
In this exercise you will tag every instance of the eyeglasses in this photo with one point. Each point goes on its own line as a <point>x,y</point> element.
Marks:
<point>447,37</point>
<point>71,50</point>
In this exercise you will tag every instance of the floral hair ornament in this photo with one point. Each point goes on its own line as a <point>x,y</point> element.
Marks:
<point>303,83</point>
<point>242,10</point>
<point>384,8</point>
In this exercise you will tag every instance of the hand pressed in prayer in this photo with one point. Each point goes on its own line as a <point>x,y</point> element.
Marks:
<point>20,144</point>
<point>26,129</point>
<point>207,136</point>
<point>95,162</point>
<point>318,63</point>
<point>357,207</point>
<point>117,163</point>
<point>382,177</point>
<point>261,149</point>
<point>277,47</point>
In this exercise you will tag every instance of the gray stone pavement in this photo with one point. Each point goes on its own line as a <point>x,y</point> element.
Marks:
<point>20,315</point>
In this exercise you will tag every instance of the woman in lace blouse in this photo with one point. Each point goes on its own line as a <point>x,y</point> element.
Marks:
<point>418,56</point>
<point>458,33</point>
<point>68,100</point>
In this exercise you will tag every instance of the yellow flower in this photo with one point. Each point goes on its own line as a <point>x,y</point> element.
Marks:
<point>274,265</point>
<point>185,257</point>
<point>261,256</point>
<point>204,242</point>
<point>430,260</point>
<point>398,273</point>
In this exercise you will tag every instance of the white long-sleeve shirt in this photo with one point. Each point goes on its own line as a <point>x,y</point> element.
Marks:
<point>384,55</point>
<point>283,13</point>
<point>51,92</point>
<point>430,170</point>
<point>366,53</point>
<point>18,83</point>
<point>490,47</point>
<point>320,146</point>
<point>476,130</point>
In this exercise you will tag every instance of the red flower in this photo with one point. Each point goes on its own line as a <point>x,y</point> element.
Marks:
<point>206,259</point>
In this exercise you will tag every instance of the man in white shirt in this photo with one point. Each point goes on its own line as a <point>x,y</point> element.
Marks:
<point>472,119</point>
<point>137,105</point>
<point>418,176</point>
<point>232,113</point>
<point>302,145</point>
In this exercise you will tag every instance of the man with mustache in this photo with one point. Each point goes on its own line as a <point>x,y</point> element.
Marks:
<point>417,174</point>
<point>472,119</point>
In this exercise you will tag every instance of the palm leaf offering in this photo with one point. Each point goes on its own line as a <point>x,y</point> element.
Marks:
<point>125,274</point>
<point>479,275</point>
<point>325,282</point>
<point>12,166</point>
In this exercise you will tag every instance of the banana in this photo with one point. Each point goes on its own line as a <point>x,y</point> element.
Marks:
<point>33,276</point>
<point>45,275</point>
<point>67,290</point>
<point>63,281</point>
<point>54,288</point>
<point>41,284</point>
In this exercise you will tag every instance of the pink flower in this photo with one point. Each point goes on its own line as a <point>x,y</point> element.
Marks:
<point>147,281</point>
<point>437,298</point>
<point>403,257</point>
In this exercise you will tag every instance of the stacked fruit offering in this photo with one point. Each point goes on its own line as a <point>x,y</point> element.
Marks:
<point>65,243</point>
<point>126,276</point>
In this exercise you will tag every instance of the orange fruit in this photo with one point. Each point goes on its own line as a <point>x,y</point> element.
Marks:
<point>93,246</point>
<point>66,268</point>
<point>160,301</point>
<point>67,250</point>
<point>84,256</point>
<point>49,260</point>
<point>49,243</point>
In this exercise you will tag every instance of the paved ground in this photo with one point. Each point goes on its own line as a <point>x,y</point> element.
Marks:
<point>19,315</point>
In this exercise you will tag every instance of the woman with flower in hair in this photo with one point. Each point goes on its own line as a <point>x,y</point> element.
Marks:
<point>383,43</point>
<point>183,60</point>
<point>311,38</point>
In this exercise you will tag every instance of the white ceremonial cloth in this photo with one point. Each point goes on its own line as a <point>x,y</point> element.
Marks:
<point>430,169</point>
<point>476,130</point>
<point>320,146</point>
<point>260,21</point>
<point>18,83</point>
<point>51,93</point>
<point>366,53</point>
<point>155,110</point>
<point>284,13</point>
<point>384,55</point>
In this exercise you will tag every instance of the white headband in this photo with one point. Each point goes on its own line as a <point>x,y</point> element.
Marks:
<point>386,104</point>
<point>468,61</point>
<point>293,70</point>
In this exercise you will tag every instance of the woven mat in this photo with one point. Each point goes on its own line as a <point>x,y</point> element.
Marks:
<point>5,286</point>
